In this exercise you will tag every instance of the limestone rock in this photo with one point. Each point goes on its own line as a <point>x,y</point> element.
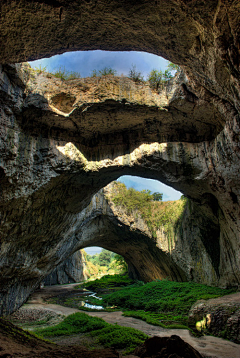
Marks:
<point>219,317</point>
<point>70,271</point>
<point>50,169</point>
<point>47,184</point>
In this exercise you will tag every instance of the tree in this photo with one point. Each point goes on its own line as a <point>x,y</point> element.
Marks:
<point>157,196</point>
<point>105,258</point>
<point>155,79</point>
<point>135,75</point>
<point>173,67</point>
<point>121,262</point>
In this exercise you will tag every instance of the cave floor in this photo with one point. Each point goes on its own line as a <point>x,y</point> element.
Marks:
<point>208,346</point>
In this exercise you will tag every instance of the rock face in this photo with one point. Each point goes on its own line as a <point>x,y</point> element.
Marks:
<point>219,317</point>
<point>53,161</point>
<point>70,271</point>
<point>182,256</point>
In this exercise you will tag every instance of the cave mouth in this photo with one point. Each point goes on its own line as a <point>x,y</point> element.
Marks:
<point>85,62</point>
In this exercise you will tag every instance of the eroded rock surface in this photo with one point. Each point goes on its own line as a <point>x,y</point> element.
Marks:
<point>71,270</point>
<point>46,183</point>
<point>49,170</point>
<point>219,317</point>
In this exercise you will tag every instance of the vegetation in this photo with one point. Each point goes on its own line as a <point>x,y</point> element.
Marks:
<point>108,335</point>
<point>164,303</point>
<point>104,72</point>
<point>106,262</point>
<point>157,79</point>
<point>107,281</point>
<point>135,75</point>
<point>65,75</point>
<point>157,214</point>
<point>61,73</point>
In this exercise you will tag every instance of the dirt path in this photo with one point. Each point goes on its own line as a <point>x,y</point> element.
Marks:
<point>207,345</point>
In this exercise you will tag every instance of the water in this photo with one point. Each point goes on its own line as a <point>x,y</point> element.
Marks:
<point>93,307</point>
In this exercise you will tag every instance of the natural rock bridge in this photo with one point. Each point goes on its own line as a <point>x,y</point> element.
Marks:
<point>53,159</point>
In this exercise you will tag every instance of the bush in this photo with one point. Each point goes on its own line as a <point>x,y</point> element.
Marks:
<point>135,75</point>
<point>104,72</point>
<point>66,75</point>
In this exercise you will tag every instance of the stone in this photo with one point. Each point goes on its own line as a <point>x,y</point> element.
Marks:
<point>166,347</point>
<point>219,317</point>
<point>51,165</point>
<point>70,271</point>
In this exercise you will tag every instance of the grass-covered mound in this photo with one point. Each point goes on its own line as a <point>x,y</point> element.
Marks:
<point>164,303</point>
<point>107,282</point>
<point>106,334</point>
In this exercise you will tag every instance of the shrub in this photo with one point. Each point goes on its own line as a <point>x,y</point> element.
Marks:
<point>135,75</point>
<point>40,69</point>
<point>104,72</point>
<point>66,75</point>
<point>155,79</point>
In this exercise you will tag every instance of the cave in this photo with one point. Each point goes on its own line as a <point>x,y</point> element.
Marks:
<point>53,161</point>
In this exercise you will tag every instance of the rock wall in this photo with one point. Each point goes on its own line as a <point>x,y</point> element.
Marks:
<point>70,271</point>
<point>52,163</point>
<point>47,182</point>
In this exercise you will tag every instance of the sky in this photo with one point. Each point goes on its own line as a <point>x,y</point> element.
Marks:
<point>85,62</point>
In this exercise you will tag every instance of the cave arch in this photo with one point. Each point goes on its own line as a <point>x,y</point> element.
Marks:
<point>45,190</point>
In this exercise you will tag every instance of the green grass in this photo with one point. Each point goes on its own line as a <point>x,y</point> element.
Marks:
<point>107,334</point>
<point>163,303</point>
<point>107,282</point>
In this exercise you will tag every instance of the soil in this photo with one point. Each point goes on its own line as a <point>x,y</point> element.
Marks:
<point>37,309</point>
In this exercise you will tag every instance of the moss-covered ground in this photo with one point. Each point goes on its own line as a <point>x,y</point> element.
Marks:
<point>106,334</point>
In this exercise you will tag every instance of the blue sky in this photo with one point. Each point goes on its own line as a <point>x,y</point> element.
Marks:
<point>139,184</point>
<point>86,61</point>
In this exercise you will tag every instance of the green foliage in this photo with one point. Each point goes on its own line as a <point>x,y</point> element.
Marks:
<point>135,75</point>
<point>120,337</point>
<point>40,69</point>
<point>155,79</point>
<point>157,196</point>
<point>156,214</point>
<point>104,258</point>
<point>131,199</point>
<point>107,334</point>
<point>158,297</point>
<point>121,262</point>
<point>75,323</point>
<point>173,67</point>
<point>104,72</point>
<point>160,319</point>
<point>66,75</point>
<point>107,281</point>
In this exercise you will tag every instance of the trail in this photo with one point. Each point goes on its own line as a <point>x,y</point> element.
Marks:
<point>206,345</point>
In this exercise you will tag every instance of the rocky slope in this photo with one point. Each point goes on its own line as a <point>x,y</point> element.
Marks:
<point>53,162</point>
